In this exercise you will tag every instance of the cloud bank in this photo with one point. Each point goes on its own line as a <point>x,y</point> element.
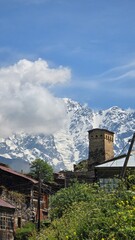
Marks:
<point>26,102</point>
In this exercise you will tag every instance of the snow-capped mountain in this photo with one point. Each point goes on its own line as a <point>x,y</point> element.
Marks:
<point>70,144</point>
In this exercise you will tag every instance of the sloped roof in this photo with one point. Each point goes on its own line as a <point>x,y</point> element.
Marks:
<point>11,171</point>
<point>119,162</point>
<point>5,204</point>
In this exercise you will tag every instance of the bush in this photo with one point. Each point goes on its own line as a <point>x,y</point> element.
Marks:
<point>91,213</point>
<point>64,198</point>
<point>25,232</point>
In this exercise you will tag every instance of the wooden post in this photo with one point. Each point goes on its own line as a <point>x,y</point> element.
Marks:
<point>39,196</point>
<point>122,175</point>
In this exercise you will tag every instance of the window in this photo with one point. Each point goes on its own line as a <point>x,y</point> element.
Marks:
<point>9,223</point>
<point>108,183</point>
<point>6,221</point>
<point>2,222</point>
<point>19,222</point>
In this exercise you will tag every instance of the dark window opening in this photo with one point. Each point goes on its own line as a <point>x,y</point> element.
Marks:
<point>19,222</point>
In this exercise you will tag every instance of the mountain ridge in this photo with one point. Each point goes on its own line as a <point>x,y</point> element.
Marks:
<point>69,145</point>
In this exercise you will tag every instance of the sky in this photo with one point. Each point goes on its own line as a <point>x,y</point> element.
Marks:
<point>53,49</point>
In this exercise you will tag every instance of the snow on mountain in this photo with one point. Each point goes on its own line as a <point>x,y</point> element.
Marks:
<point>69,145</point>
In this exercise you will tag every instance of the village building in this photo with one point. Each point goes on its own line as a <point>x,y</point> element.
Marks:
<point>110,171</point>
<point>100,146</point>
<point>22,192</point>
<point>6,220</point>
<point>33,202</point>
<point>101,165</point>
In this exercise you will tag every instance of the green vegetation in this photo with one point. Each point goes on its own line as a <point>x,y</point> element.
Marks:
<point>87,212</point>
<point>40,168</point>
<point>25,232</point>
<point>64,198</point>
<point>82,166</point>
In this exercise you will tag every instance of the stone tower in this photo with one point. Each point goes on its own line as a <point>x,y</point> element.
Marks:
<point>100,146</point>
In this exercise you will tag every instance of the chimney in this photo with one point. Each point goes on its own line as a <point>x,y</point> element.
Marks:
<point>100,146</point>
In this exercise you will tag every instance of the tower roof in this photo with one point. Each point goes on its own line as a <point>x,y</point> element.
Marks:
<point>100,129</point>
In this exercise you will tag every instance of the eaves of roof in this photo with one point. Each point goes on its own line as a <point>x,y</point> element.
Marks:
<point>118,162</point>
<point>5,204</point>
<point>11,171</point>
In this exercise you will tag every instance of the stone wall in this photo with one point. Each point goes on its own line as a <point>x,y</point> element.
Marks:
<point>100,146</point>
<point>22,210</point>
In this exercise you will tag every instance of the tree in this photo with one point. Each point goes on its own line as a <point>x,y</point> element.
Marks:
<point>64,198</point>
<point>40,168</point>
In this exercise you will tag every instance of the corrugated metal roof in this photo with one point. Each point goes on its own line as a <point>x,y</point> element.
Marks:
<point>5,204</point>
<point>9,170</point>
<point>119,162</point>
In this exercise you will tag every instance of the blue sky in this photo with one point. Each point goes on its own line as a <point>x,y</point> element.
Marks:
<point>93,39</point>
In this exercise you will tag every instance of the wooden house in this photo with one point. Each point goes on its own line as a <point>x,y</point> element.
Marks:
<point>12,181</point>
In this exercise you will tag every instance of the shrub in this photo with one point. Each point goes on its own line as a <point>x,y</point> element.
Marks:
<point>25,232</point>
<point>91,213</point>
<point>64,198</point>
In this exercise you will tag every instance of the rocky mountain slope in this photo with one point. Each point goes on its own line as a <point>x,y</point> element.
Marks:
<point>70,144</point>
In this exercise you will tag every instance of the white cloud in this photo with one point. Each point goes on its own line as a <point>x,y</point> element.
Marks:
<point>26,104</point>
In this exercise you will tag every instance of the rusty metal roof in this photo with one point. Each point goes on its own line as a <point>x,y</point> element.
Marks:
<point>5,204</point>
<point>11,171</point>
